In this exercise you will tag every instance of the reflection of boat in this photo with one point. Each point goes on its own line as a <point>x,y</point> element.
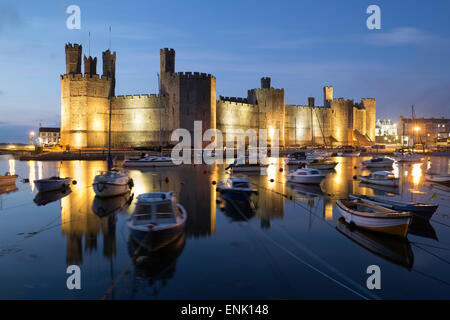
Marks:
<point>380,190</point>
<point>426,210</point>
<point>156,265</point>
<point>52,184</point>
<point>312,190</point>
<point>103,207</point>
<point>112,183</point>
<point>8,188</point>
<point>238,210</point>
<point>377,163</point>
<point>150,161</point>
<point>157,220</point>
<point>236,188</point>
<point>374,218</point>
<point>307,176</point>
<point>422,227</point>
<point>8,179</point>
<point>395,250</point>
<point>443,179</point>
<point>43,198</point>
<point>382,178</point>
<point>321,164</point>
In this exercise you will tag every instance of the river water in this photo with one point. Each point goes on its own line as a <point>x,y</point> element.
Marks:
<point>291,246</point>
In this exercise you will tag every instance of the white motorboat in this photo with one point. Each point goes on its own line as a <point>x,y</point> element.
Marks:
<point>375,218</point>
<point>384,178</point>
<point>443,179</point>
<point>157,220</point>
<point>8,179</point>
<point>318,155</point>
<point>52,184</point>
<point>307,176</point>
<point>236,188</point>
<point>111,183</point>
<point>149,161</point>
<point>376,162</point>
<point>295,158</point>
<point>322,164</point>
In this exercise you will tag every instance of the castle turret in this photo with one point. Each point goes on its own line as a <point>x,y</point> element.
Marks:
<point>109,68</point>
<point>265,83</point>
<point>327,96</point>
<point>311,101</point>
<point>73,58</point>
<point>167,67</point>
<point>90,65</point>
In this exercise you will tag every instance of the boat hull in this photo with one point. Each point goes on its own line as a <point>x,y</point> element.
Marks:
<point>106,189</point>
<point>380,182</point>
<point>392,226</point>
<point>316,179</point>
<point>248,169</point>
<point>46,186</point>
<point>154,238</point>
<point>328,166</point>
<point>436,179</point>
<point>8,180</point>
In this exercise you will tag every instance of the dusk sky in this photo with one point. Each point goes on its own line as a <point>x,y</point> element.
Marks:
<point>301,45</point>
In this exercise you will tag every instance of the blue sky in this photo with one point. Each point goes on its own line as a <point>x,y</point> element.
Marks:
<point>302,45</point>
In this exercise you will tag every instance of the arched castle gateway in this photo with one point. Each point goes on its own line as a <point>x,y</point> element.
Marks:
<point>188,97</point>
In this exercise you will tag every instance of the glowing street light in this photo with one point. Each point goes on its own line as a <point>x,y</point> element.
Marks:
<point>416,129</point>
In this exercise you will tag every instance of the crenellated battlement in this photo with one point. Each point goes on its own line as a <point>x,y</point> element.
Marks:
<point>228,103</point>
<point>271,90</point>
<point>79,76</point>
<point>233,99</point>
<point>192,75</point>
<point>73,46</point>
<point>136,97</point>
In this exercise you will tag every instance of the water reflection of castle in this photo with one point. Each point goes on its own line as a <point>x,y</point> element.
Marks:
<point>82,227</point>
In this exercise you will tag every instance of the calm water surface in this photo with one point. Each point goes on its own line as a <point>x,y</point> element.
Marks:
<point>291,246</point>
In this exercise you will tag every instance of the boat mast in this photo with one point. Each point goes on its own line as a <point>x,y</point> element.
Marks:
<point>109,159</point>
<point>160,121</point>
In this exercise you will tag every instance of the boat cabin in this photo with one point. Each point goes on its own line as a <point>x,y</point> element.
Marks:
<point>156,208</point>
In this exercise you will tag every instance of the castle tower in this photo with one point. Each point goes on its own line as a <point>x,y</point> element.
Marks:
<point>84,102</point>
<point>90,65</point>
<point>167,67</point>
<point>265,83</point>
<point>327,96</point>
<point>109,68</point>
<point>73,58</point>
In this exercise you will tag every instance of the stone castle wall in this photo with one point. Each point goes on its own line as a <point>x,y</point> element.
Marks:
<point>187,97</point>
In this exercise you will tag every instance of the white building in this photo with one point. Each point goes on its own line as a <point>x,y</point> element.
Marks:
<point>48,136</point>
<point>385,127</point>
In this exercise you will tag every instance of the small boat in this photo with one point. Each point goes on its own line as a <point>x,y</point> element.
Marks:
<point>8,179</point>
<point>149,161</point>
<point>322,164</point>
<point>295,158</point>
<point>383,178</point>
<point>443,179</point>
<point>244,165</point>
<point>426,209</point>
<point>307,176</point>
<point>318,155</point>
<point>408,156</point>
<point>237,188</point>
<point>376,162</point>
<point>52,184</point>
<point>8,188</point>
<point>112,183</point>
<point>157,220</point>
<point>375,218</point>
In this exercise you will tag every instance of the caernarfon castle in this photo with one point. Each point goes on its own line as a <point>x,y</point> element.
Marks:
<point>186,97</point>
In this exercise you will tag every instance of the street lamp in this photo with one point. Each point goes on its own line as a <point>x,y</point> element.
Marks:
<point>32,134</point>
